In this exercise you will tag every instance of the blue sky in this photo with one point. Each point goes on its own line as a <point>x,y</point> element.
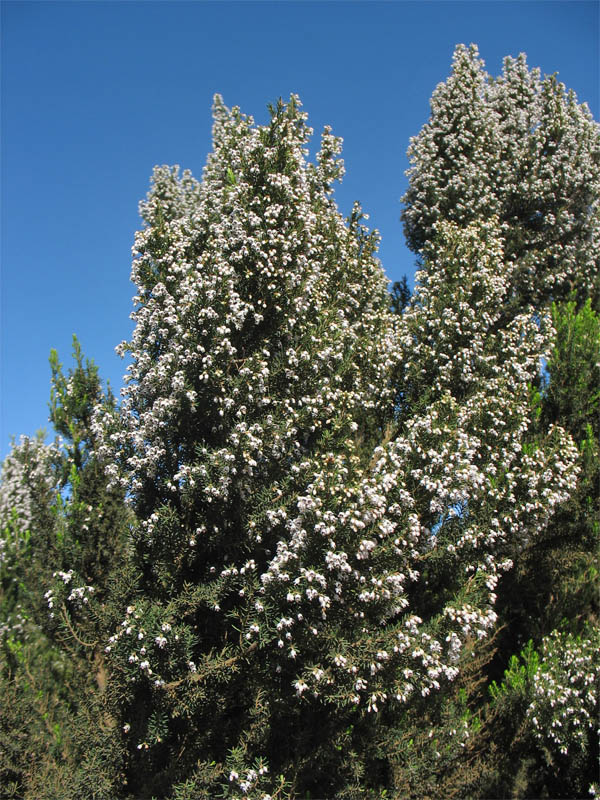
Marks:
<point>94,94</point>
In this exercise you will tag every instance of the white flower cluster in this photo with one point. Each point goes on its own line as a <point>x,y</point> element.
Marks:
<point>566,685</point>
<point>80,595</point>
<point>50,600</point>
<point>27,481</point>
<point>66,577</point>
<point>249,781</point>
<point>14,626</point>
<point>518,147</point>
<point>138,644</point>
<point>239,280</point>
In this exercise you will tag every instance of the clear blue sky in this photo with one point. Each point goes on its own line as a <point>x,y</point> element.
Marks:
<point>94,94</point>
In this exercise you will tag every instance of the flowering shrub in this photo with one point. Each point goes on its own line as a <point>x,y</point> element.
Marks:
<point>278,535</point>
<point>326,497</point>
<point>565,704</point>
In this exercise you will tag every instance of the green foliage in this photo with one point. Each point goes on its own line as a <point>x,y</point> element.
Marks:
<point>399,295</point>
<point>572,391</point>
<point>519,676</point>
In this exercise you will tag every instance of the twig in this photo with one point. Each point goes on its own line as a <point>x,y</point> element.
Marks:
<point>65,617</point>
<point>200,676</point>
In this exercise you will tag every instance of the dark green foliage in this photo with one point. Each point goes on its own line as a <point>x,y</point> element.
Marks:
<point>399,295</point>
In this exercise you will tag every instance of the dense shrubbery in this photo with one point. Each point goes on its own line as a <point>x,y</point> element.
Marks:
<point>331,543</point>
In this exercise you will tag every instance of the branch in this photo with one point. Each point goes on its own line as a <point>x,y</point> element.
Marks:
<point>65,617</point>
<point>198,676</point>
